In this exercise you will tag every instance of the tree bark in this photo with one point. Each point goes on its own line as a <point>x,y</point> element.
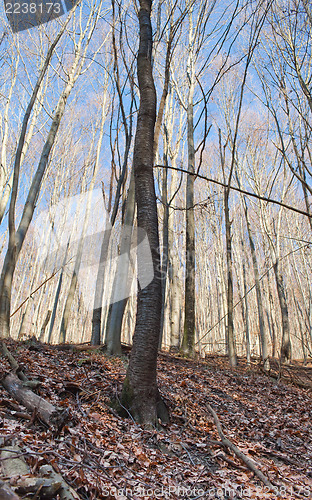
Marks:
<point>121,285</point>
<point>230,323</point>
<point>45,324</point>
<point>286,344</point>
<point>263,338</point>
<point>188,341</point>
<point>140,393</point>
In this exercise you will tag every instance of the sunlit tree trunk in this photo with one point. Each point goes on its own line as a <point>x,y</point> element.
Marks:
<point>17,237</point>
<point>121,285</point>
<point>188,341</point>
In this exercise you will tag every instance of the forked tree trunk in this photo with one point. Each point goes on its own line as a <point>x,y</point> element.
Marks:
<point>140,393</point>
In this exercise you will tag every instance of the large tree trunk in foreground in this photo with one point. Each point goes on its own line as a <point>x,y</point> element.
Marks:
<point>140,393</point>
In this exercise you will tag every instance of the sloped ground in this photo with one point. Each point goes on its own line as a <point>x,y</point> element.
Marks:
<point>104,456</point>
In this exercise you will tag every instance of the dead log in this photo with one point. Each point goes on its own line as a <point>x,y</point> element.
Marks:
<point>6,493</point>
<point>65,492</point>
<point>48,413</point>
<point>12,463</point>
<point>47,488</point>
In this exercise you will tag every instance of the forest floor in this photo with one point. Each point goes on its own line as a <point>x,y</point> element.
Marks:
<point>102,455</point>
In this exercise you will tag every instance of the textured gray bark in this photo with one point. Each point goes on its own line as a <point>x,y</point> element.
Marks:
<point>189,304</point>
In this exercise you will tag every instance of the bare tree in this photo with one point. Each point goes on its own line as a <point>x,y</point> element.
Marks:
<point>140,393</point>
<point>16,237</point>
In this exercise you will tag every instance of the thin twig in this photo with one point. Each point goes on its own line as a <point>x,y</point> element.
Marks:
<point>250,464</point>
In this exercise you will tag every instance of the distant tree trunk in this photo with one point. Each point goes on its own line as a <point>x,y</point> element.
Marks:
<point>74,278</point>
<point>140,393</point>
<point>245,306</point>
<point>263,338</point>
<point>230,323</point>
<point>165,250</point>
<point>97,311</point>
<point>300,323</point>
<point>121,284</point>
<point>23,325</point>
<point>57,294</point>
<point>286,344</point>
<point>271,322</point>
<point>176,299</point>
<point>17,237</point>
<point>44,325</point>
<point>99,290</point>
<point>188,341</point>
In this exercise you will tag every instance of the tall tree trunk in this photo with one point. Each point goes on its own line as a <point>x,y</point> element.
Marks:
<point>188,341</point>
<point>74,278</point>
<point>245,306</point>
<point>263,338</point>
<point>99,290</point>
<point>16,238</point>
<point>97,311</point>
<point>165,248</point>
<point>140,393</point>
<point>286,344</point>
<point>57,294</point>
<point>121,285</point>
<point>230,323</point>
<point>271,322</point>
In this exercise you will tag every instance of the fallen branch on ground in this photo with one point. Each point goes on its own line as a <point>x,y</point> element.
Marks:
<point>48,413</point>
<point>250,464</point>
